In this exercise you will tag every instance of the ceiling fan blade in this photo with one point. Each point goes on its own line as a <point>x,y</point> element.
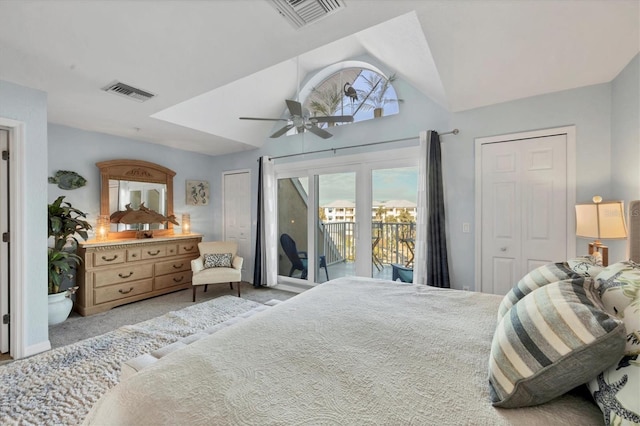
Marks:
<point>263,119</point>
<point>282,131</point>
<point>319,132</point>
<point>334,119</point>
<point>295,108</point>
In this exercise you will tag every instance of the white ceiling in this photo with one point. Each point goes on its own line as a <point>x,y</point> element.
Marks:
<point>210,62</point>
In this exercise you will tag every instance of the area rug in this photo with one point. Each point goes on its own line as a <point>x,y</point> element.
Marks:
<point>60,386</point>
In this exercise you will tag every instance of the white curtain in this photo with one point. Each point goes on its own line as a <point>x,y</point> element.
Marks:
<point>270,222</point>
<point>420,250</point>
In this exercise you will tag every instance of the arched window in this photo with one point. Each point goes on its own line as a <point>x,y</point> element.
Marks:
<point>360,91</point>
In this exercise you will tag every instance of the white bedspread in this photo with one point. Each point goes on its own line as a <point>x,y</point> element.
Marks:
<point>349,352</point>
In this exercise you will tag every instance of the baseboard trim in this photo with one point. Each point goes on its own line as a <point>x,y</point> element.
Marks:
<point>37,348</point>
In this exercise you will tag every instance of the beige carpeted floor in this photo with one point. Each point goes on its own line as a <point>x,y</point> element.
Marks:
<point>77,327</point>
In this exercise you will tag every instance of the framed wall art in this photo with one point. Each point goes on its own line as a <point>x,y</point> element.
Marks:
<point>197,192</point>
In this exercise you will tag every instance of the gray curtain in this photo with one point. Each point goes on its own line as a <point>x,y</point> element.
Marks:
<point>437,263</point>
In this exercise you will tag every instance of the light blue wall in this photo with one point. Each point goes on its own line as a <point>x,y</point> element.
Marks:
<point>589,109</point>
<point>417,113</point>
<point>625,134</point>
<point>79,151</point>
<point>29,106</point>
<point>605,116</point>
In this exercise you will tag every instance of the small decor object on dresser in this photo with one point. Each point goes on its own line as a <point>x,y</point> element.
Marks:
<point>197,192</point>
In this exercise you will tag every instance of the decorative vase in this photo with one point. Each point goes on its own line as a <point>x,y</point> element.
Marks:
<point>60,305</point>
<point>377,112</point>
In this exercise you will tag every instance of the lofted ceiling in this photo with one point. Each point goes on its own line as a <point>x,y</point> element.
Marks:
<point>210,62</point>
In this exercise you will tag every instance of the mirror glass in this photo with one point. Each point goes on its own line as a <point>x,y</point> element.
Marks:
<point>123,193</point>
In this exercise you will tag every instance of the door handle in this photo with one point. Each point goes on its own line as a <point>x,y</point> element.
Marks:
<point>503,249</point>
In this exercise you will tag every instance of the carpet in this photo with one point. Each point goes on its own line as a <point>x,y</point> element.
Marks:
<point>61,385</point>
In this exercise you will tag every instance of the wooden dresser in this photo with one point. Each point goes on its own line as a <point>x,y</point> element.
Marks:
<point>117,272</point>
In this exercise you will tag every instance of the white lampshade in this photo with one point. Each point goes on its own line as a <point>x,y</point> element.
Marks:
<point>603,220</point>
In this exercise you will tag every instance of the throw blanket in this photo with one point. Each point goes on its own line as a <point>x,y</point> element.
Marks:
<point>350,351</point>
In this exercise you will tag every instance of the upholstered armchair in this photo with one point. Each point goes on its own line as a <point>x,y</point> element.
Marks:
<point>217,264</point>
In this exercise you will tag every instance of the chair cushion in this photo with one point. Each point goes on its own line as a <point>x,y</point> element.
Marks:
<point>216,275</point>
<point>217,260</point>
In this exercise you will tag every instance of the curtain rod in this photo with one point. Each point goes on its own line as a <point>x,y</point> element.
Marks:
<point>452,132</point>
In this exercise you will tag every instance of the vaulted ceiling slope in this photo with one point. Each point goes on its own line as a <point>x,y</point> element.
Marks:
<point>210,62</point>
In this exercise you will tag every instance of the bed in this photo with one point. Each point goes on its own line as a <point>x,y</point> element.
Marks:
<point>351,351</point>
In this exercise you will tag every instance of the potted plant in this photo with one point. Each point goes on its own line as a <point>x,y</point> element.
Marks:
<point>375,98</point>
<point>65,222</point>
<point>326,101</point>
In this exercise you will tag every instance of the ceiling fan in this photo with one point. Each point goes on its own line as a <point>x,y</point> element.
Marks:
<point>303,121</point>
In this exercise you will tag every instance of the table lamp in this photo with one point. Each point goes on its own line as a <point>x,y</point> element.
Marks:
<point>601,220</point>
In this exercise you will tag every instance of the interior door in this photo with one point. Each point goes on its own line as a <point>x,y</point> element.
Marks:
<point>524,208</point>
<point>4,246</point>
<point>237,214</point>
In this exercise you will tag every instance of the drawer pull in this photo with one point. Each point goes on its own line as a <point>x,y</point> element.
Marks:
<point>134,255</point>
<point>188,248</point>
<point>121,291</point>
<point>177,280</point>
<point>153,254</point>
<point>178,266</point>
<point>115,256</point>
<point>171,250</point>
<point>125,276</point>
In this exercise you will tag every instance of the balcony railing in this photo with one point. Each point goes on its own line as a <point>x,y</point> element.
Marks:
<point>390,242</point>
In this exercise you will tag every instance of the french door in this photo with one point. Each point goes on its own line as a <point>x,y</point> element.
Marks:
<point>329,211</point>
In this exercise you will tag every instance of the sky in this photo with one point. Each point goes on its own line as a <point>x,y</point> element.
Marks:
<point>388,184</point>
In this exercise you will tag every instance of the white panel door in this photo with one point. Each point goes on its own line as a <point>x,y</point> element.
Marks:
<point>524,213</point>
<point>237,215</point>
<point>4,247</point>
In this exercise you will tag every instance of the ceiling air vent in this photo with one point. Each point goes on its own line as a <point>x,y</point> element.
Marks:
<point>303,12</point>
<point>127,91</point>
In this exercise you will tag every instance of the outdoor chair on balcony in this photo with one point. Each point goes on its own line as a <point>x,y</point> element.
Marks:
<point>299,259</point>
<point>402,273</point>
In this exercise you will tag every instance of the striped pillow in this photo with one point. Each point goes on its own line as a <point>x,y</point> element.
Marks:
<point>554,339</point>
<point>535,279</point>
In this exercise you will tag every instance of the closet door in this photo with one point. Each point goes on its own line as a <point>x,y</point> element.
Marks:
<point>523,208</point>
<point>237,215</point>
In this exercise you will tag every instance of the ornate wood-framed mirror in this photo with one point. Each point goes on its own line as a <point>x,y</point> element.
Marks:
<point>132,182</point>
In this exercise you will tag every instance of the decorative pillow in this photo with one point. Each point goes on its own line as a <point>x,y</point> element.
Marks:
<point>535,279</point>
<point>619,289</point>
<point>217,260</point>
<point>588,266</point>
<point>554,339</point>
<point>616,391</point>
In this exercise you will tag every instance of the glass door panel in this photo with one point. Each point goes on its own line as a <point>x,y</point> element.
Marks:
<point>393,218</point>
<point>292,226</point>
<point>336,230</point>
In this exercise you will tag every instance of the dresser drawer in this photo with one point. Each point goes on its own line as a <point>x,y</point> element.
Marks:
<point>171,280</point>
<point>171,266</point>
<point>189,247</point>
<point>154,252</point>
<point>110,257</point>
<point>120,291</point>
<point>134,254</point>
<point>172,250</point>
<point>124,274</point>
